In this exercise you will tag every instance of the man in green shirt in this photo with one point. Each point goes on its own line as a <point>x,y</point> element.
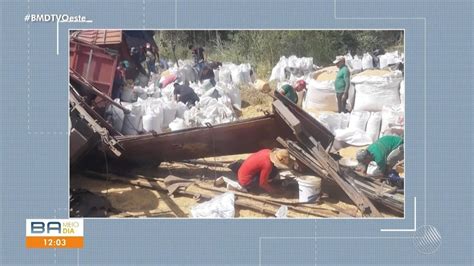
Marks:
<point>342,83</point>
<point>385,152</point>
<point>289,92</point>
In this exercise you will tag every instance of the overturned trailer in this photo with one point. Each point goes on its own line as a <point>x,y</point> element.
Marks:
<point>244,136</point>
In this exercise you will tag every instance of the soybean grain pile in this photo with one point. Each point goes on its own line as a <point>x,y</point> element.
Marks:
<point>254,102</point>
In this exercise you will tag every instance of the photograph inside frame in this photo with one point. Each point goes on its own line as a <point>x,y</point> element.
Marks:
<point>236,123</point>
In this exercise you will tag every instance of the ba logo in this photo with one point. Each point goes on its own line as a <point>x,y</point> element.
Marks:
<point>54,227</point>
<point>41,227</point>
<point>54,233</point>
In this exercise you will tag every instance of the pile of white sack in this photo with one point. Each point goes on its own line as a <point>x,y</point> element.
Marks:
<point>357,64</point>
<point>391,58</point>
<point>292,68</point>
<point>356,128</point>
<point>378,106</point>
<point>154,110</point>
<point>230,73</point>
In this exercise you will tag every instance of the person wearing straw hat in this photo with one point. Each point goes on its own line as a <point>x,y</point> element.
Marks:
<point>259,168</point>
<point>342,83</point>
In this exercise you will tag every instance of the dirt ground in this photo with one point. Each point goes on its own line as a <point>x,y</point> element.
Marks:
<point>136,201</point>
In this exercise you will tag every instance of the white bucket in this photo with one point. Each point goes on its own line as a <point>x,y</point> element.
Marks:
<point>309,188</point>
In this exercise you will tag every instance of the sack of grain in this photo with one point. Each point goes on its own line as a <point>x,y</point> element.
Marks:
<point>353,136</point>
<point>224,74</point>
<point>367,62</point>
<point>231,91</point>
<point>241,74</point>
<point>373,98</point>
<point>389,59</point>
<point>186,74</point>
<point>376,88</point>
<point>132,122</point>
<point>177,124</point>
<point>373,125</point>
<point>334,121</point>
<point>115,115</point>
<point>128,95</point>
<point>291,66</point>
<point>359,120</point>
<point>356,64</point>
<point>169,112</point>
<point>320,96</point>
<point>350,98</point>
<point>393,117</point>
<point>152,122</point>
<point>278,72</point>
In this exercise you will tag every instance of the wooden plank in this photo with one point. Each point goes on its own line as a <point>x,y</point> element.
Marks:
<point>290,119</point>
<point>310,125</point>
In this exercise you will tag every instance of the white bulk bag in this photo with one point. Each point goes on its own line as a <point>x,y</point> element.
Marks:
<point>186,74</point>
<point>356,64</point>
<point>353,136</point>
<point>367,62</point>
<point>132,124</point>
<point>350,98</point>
<point>216,75</point>
<point>389,59</point>
<point>278,72</point>
<point>225,75</point>
<point>334,121</point>
<point>116,114</point>
<point>151,122</point>
<point>231,91</point>
<point>373,125</point>
<point>371,97</point>
<point>177,124</point>
<point>392,117</point>
<point>168,91</point>
<point>169,112</point>
<point>241,74</point>
<point>359,120</point>
<point>180,109</point>
<point>140,92</point>
<point>348,60</point>
<point>320,95</point>
<point>128,95</point>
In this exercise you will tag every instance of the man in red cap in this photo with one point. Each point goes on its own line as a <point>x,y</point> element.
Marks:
<point>300,89</point>
<point>290,92</point>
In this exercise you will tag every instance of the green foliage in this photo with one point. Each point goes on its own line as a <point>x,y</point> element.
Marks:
<point>263,49</point>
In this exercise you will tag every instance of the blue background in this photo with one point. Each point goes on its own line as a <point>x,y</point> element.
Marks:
<point>439,123</point>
